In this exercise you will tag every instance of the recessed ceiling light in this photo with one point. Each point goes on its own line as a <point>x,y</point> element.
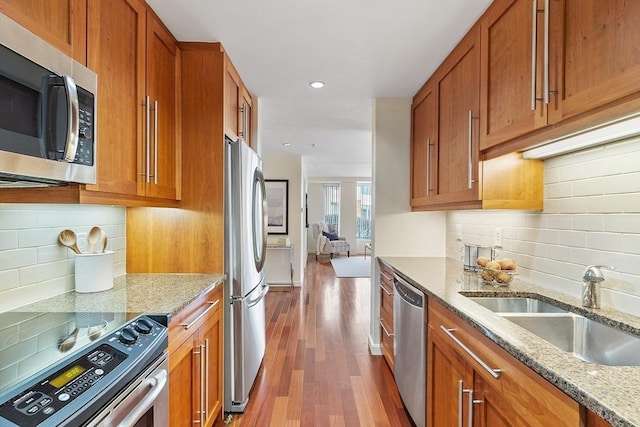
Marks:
<point>286,144</point>
<point>317,84</point>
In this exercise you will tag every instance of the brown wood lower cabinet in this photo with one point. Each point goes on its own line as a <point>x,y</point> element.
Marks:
<point>386,313</point>
<point>195,362</point>
<point>460,387</point>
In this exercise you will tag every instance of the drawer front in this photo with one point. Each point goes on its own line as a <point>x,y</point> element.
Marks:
<point>387,343</point>
<point>192,316</point>
<point>386,303</point>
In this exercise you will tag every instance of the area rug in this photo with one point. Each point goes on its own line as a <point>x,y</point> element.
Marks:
<point>352,267</point>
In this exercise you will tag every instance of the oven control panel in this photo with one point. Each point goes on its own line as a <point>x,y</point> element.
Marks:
<point>74,382</point>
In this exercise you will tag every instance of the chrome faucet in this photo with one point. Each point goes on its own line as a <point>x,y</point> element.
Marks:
<point>591,279</point>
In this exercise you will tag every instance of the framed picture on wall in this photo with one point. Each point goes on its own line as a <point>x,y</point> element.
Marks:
<point>277,205</point>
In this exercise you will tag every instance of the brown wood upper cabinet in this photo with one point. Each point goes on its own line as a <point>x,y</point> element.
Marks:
<point>547,62</point>
<point>138,64</point>
<point>62,23</point>
<point>447,171</point>
<point>238,105</point>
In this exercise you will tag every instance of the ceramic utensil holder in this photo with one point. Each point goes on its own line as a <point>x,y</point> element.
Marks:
<point>94,272</point>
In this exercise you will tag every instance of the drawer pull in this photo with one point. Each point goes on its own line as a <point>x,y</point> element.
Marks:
<point>212,304</point>
<point>385,329</point>
<point>383,274</point>
<point>495,373</point>
<point>386,291</point>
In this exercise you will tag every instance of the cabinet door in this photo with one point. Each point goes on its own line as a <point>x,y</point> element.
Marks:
<point>245,117</point>
<point>594,54</point>
<point>458,100</point>
<point>448,377</point>
<point>511,78</point>
<point>116,52</point>
<point>184,383</point>
<point>232,100</point>
<point>424,146</point>
<point>62,23</point>
<point>163,82</point>
<point>211,334</point>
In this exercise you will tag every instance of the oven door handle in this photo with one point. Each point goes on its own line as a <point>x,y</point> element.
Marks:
<point>157,383</point>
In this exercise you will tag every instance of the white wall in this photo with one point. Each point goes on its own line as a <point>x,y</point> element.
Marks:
<point>33,266</point>
<point>291,167</point>
<point>591,216</point>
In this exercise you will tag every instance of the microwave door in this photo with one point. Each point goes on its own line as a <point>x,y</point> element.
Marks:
<point>62,118</point>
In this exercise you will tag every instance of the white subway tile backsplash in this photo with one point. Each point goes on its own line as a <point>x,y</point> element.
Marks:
<point>33,266</point>
<point>597,221</point>
<point>8,240</point>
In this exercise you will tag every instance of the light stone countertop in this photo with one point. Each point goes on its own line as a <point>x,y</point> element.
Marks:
<point>134,294</point>
<point>613,392</point>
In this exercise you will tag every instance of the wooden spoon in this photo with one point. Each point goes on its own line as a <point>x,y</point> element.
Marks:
<point>102,245</point>
<point>93,238</point>
<point>68,343</point>
<point>69,239</point>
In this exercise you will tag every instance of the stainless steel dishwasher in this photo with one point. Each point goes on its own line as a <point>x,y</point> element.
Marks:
<point>409,326</point>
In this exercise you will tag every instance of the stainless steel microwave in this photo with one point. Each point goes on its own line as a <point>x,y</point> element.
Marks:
<point>47,113</point>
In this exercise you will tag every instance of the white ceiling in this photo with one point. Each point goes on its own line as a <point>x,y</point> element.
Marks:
<point>361,49</point>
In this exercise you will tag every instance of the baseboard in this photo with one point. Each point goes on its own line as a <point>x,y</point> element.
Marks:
<point>374,348</point>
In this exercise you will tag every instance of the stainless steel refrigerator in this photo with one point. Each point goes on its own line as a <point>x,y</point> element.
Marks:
<point>245,286</point>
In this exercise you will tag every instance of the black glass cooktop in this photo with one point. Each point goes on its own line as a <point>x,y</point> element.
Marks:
<point>32,341</point>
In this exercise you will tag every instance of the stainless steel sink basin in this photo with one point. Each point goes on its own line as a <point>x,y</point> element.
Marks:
<point>516,305</point>
<point>587,339</point>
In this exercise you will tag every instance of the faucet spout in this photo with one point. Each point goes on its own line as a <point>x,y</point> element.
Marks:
<point>591,279</point>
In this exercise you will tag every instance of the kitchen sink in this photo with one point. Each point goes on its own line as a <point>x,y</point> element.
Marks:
<point>587,339</point>
<point>516,305</point>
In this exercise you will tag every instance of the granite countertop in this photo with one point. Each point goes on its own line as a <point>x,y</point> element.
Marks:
<point>613,392</point>
<point>135,294</point>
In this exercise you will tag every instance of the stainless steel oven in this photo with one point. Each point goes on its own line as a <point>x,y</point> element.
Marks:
<point>121,379</point>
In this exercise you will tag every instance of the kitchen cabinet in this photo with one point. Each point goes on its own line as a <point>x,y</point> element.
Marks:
<point>138,64</point>
<point>447,169</point>
<point>424,130</point>
<point>472,380</point>
<point>201,217</point>
<point>195,362</point>
<point>548,63</point>
<point>237,106</point>
<point>385,282</point>
<point>61,23</point>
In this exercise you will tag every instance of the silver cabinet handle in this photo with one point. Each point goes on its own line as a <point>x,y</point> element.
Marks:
<point>198,352</point>
<point>428,166</point>
<point>157,384</point>
<point>460,391</point>
<point>385,329</point>
<point>470,165</point>
<point>386,291</point>
<point>534,48</point>
<point>73,119</point>
<point>241,130</point>
<point>545,69</point>
<point>206,378</point>
<point>203,362</point>
<point>147,139</point>
<point>155,142</point>
<point>495,373</point>
<point>212,304</point>
<point>386,276</point>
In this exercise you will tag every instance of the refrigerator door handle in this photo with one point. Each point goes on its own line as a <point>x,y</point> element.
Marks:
<point>257,300</point>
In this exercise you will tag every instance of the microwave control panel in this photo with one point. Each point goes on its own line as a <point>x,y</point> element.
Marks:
<point>85,151</point>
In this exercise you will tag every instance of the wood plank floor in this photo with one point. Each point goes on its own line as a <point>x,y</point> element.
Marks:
<point>317,369</point>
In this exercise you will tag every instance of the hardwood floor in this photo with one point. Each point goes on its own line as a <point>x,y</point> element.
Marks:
<point>317,369</point>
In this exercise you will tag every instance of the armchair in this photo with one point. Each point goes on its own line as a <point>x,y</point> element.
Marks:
<point>325,246</point>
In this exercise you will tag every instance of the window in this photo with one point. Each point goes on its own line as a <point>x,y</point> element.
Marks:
<point>363,215</point>
<point>332,206</point>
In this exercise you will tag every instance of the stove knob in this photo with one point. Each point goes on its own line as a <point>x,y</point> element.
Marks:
<point>144,326</point>
<point>128,336</point>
